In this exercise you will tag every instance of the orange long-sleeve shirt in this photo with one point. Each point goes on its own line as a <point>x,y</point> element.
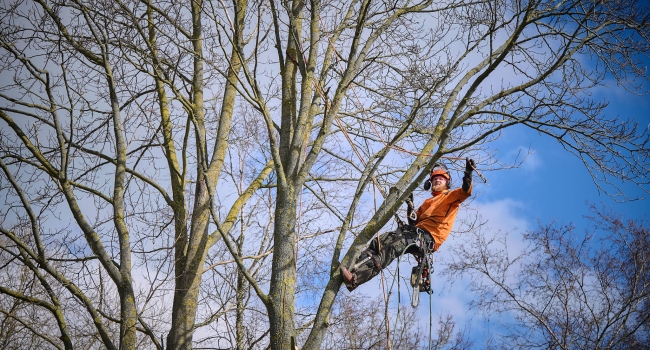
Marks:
<point>438,213</point>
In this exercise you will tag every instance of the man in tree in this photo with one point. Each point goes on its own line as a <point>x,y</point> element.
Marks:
<point>433,222</point>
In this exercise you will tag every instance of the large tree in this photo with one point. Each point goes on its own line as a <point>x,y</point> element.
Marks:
<point>156,155</point>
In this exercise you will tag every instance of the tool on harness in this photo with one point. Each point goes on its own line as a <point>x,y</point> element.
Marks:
<point>421,274</point>
<point>421,279</point>
<point>421,270</point>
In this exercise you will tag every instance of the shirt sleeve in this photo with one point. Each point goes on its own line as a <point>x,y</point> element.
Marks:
<point>461,195</point>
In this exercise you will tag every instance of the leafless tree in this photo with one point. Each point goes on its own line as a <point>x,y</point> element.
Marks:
<point>356,324</point>
<point>567,289</point>
<point>150,149</point>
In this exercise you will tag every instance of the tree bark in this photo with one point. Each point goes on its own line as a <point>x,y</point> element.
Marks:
<point>283,278</point>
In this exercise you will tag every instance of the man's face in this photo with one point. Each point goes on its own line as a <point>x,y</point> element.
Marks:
<point>438,183</point>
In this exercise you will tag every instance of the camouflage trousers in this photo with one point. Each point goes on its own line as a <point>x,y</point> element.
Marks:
<point>383,250</point>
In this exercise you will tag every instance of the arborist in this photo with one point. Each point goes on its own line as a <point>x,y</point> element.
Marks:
<point>426,231</point>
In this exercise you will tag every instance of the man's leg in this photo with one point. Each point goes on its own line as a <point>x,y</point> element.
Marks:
<point>378,256</point>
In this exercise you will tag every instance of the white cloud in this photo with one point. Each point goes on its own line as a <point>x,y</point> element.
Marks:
<point>503,214</point>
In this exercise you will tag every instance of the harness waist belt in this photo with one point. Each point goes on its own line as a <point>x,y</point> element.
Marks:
<point>424,240</point>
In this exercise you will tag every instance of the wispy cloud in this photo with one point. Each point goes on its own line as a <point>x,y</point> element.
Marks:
<point>529,158</point>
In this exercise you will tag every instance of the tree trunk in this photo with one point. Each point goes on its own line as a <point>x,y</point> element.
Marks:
<point>129,317</point>
<point>189,262</point>
<point>283,278</point>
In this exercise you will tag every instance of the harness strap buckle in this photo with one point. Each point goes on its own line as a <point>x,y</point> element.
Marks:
<point>372,257</point>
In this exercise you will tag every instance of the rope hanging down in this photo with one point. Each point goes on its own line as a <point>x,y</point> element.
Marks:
<point>416,292</point>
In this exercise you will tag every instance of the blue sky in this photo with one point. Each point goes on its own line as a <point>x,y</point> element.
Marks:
<point>551,185</point>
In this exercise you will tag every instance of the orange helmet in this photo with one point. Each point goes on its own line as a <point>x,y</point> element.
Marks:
<point>438,170</point>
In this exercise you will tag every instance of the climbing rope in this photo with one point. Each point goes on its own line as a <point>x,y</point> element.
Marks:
<point>430,322</point>
<point>399,297</point>
<point>416,289</point>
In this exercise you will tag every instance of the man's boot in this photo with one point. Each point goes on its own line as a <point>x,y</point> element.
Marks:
<point>349,278</point>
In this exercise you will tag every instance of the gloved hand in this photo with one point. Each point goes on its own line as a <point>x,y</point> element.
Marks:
<point>469,165</point>
<point>467,179</point>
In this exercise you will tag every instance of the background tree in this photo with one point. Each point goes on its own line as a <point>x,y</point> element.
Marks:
<point>148,148</point>
<point>357,324</point>
<point>567,289</point>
